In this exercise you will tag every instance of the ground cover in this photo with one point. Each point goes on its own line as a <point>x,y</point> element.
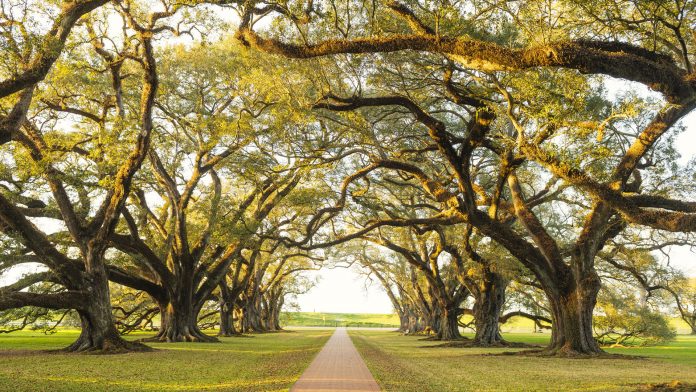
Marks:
<point>261,362</point>
<point>408,363</point>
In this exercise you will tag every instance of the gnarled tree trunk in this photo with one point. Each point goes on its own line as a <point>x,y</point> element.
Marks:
<point>99,332</point>
<point>252,316</point>
<point>226,321</point>
<point>448,326</point>
<point>276,305</point>
<point>180,321</point>
<point>571,309</point>
<point>411,323</point>
<point>488,306</point>
<point>403,322</point>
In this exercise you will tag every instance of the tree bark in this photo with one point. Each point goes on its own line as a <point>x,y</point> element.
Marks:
<point>487,309</point>
<point>411,321</point>
<point>99,332</point>
<point>416,324</point>
<point>571,310</point>
<point>252,319</point>
<point>448,326</point>
<point>274,312</point>
<point>180,322</point>
<point>226,321</point>
<point>228,303</point>
<point>403,322</point>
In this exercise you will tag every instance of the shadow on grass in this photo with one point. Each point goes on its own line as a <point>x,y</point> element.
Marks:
<point>470,343</point>
<point>674,386</point>
<point>543,353</point>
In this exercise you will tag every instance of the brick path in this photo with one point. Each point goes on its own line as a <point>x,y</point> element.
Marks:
<point>338,367</point>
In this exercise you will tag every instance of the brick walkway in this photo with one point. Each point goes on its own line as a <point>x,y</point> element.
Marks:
<point>338,367</point>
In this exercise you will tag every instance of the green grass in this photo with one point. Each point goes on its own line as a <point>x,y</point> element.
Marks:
<point>309,319</point>
<point>265,362</point>
<point>273,362</point>
<point>406,363</point>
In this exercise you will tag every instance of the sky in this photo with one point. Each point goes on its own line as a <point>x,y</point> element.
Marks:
<point>343,290</point>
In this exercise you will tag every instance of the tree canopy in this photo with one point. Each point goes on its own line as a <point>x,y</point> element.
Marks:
<point>484,159</point>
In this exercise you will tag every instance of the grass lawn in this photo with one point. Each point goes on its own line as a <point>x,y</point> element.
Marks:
<point>406,363</point>
<point>368,320</point>
<point>265,362</point>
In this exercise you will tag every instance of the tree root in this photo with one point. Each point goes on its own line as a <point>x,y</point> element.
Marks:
<point>114,345</point>
<point>434,338</point>
<point>570,354</point>
<point>471,343</point>
<point>235,335</point>
<point>168,336</point>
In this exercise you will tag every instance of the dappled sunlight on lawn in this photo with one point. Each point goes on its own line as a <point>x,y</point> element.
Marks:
<point>277,382</point>
<point>408,363</point>
<point>262,363</point>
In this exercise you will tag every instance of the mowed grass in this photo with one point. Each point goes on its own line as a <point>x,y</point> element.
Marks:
<point>310,319</point>
<point>264,362</point>
<point>407,363</point>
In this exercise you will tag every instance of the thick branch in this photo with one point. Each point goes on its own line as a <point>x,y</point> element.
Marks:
<point>64,300</point>
<point>615,59</point>
<point>52,46</point>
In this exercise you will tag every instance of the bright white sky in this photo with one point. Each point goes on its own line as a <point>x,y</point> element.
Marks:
<point>343,290</point>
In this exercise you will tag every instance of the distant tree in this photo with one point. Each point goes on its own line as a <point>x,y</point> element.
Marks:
<point>623,320</point>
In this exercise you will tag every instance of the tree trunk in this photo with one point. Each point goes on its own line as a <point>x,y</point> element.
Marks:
<point>252,318</point>
<point>276,321</point>
<point>571,311</point>
<point>449,325</point>
<point>487,309</point>
<point>432,322</point>
<point>416,323</point>
<point>180,323</point>
<point>403,322</point>
<point>238,319</point>
<point>266,314</point>
<point>226,320</point>
<point>275,313</point>
<point>412,322</point>
<point>99,332</point>
<point>243,321</point>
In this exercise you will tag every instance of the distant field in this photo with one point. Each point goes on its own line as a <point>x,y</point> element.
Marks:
<point>410,364</point>
<point>310,319</point>
<point>374,320</point>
